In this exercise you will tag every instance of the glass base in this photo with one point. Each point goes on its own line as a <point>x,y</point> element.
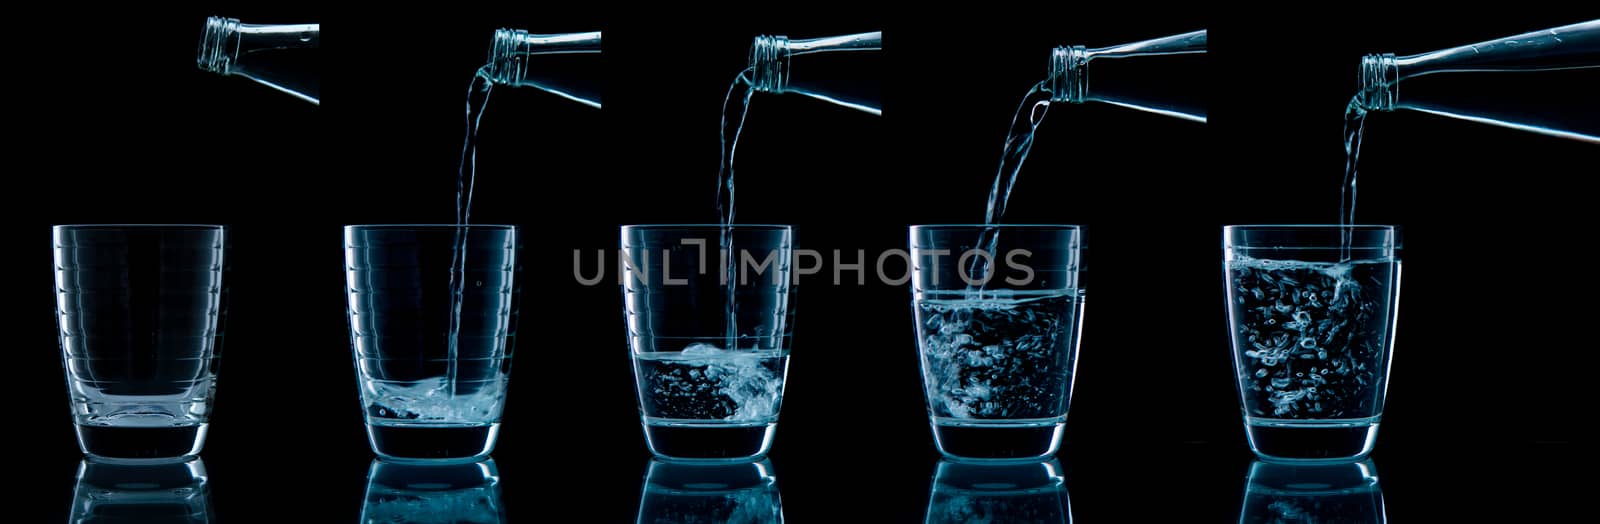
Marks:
<point>433,443</point>
<point>966,440</point>
<point>1300,441</point>
<point>701,442</point>
<point>141,444</point>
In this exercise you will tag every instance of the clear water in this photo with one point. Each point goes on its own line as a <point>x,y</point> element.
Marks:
<point>706,402</point>
<point>478,91</point>
<point>734,108</point>
<point>1004,357</point>
<point>419,401</point>
<point>707,386</point>
<point>438,400</point>
<point>1311,337</point>
<point>1355,124</point>
<point>1019,141</point>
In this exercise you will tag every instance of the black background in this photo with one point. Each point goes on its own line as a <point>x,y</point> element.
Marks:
<point>115,124</point>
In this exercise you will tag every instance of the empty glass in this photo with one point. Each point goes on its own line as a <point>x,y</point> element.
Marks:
<point>709,335</point>
<point>139,309</point>
<point>998,312</point>
<point>1311,309</point>
<point>433,311</point>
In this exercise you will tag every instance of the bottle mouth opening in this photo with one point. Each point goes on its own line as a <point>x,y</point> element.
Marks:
<point>769,63</point>
<point>1069,81</point>
<point>1380,78</point>
<point>506,57</point>
<point>218,45</point>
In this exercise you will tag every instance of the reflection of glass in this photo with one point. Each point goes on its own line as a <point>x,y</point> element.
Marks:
<point>968,492</point>
<point>682,493</point>
<point>174,492</point>
<point>424,494</point>
<point>1313,493</point>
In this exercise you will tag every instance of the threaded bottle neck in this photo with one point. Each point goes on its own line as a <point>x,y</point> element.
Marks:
<point>507,64</point>
<point>1380,82</point>
<point>510,52</point>
<point>1068,81</point>
<point>219,46</point>
<point>769,64</point>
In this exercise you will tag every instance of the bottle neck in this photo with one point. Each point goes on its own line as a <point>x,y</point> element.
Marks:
<point>769,64</point>
<point>1380,82</point>
<point>1068,81</point>
<point>770,57</point>
<point>508,55</point>
<point>219,46</point>
<point>226,40</point>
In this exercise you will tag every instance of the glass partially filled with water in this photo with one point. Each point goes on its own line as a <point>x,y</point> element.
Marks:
<point>1311,310</point>
<point>998,316</point>
<point>709,321</point>
<point>433,315</point>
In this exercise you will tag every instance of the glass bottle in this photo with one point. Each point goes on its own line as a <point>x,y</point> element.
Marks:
<point>843,70</point>
<point>564,64</point>
<point>281,56</point>
<point>1461,82</point>
<point>1167,78</point>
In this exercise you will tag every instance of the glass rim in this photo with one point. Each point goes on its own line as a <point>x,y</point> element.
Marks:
<point>348,227</point>
<point>1356,227</point>
<point>647,227</point>
<point>1063,227</point>
<point>175,227</point>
